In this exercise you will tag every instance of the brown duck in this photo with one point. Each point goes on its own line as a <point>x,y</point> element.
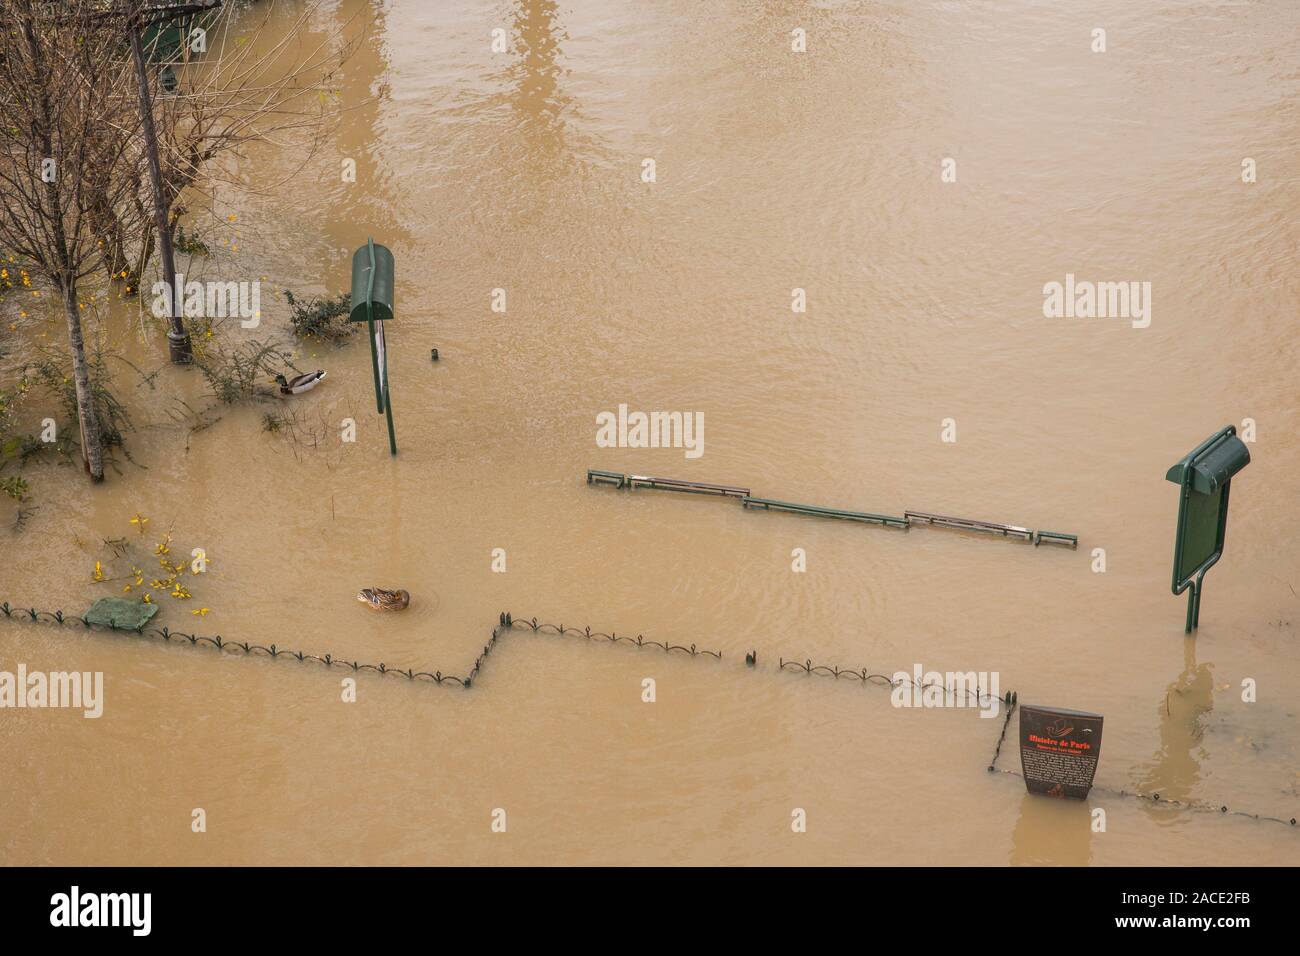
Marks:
<point>380,599</point>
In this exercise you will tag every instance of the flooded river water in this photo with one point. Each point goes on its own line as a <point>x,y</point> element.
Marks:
<point>774,171</point>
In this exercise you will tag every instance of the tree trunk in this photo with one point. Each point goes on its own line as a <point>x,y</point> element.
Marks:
<point>178,341</point>
<point>92,454</point>
<point>64,271</point>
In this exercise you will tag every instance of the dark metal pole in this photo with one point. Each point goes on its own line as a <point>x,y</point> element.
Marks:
<point>178,340</point>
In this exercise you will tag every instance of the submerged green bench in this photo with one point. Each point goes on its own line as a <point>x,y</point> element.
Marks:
<point>970,524</point>
<point>679,484</point>
<point>771,504</point>
<point>1056,537</point>
<point>615,478</point>
<point>620,480</point>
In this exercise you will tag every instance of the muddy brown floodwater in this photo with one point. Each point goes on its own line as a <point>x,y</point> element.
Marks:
<point>774,171</point>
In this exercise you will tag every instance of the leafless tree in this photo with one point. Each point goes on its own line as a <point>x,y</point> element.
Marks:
<point>61,91</point>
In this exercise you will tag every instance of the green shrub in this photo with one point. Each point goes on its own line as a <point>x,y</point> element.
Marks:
<point>244,372</point>
<point>321,317</point>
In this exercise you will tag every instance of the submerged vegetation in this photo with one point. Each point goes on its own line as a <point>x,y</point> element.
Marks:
<point>241,372</point>
<point>190,244</point>
<point>130,557</point>
<point>15,487</point>
<point>324,318</point>
<point>52,372</point>
<point>13,445</point>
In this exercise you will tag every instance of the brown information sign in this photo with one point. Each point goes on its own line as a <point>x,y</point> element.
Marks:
<point>1059,750</point>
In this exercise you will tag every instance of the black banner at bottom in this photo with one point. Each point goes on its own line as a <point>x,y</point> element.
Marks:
<point>332,906</point>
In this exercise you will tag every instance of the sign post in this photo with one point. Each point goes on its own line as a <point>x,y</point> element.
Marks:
<point>1059,750</point>
<point>372,303</point>
<point>1204,478</point>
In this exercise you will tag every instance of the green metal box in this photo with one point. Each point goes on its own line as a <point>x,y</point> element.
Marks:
<point>372,283</point>
<point>372,302</point>
<point>1213,468</point>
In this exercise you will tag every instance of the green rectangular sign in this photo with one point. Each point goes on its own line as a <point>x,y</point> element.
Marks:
<point>1204,479</point>
<point>1201,533</point>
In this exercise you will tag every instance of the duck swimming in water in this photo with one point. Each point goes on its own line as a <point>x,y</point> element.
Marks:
<point>380,599</point>
<point>299,383</point>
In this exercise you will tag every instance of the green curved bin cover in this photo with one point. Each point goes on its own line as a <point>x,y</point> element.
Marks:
<point>120,613</point>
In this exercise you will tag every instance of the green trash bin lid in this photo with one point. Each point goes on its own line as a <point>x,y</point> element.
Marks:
<point>1212,464</point>
<point>120,613</point>
<point>372,286</point>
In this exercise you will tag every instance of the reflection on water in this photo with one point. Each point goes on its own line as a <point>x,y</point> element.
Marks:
<point>537,95</point>
<point>1176,768</point>
<point>1052,832</point>
<point>543,137</point>
<point>363,208</point>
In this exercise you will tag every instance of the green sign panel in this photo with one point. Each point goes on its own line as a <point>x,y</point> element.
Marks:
<point>1201,534</point>
<point>1204,478</point>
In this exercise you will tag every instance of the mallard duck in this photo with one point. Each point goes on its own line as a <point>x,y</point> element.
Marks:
<point>382,600</point>
<point>299,383</point>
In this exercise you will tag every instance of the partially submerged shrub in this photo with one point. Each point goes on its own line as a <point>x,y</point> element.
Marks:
<point>321,317</point>
<point>12,443</point>
<point>15,487</point>
<point>296,427</point>
<point>190,243</point>
<point>14,446</point>
<point>132,556</point>
<point>54,372</point>
<point>243,372</point>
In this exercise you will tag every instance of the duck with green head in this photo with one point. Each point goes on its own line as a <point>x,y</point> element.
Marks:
<point>299,383</point>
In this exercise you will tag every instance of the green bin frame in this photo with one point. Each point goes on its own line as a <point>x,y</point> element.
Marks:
<point>373,271</point>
